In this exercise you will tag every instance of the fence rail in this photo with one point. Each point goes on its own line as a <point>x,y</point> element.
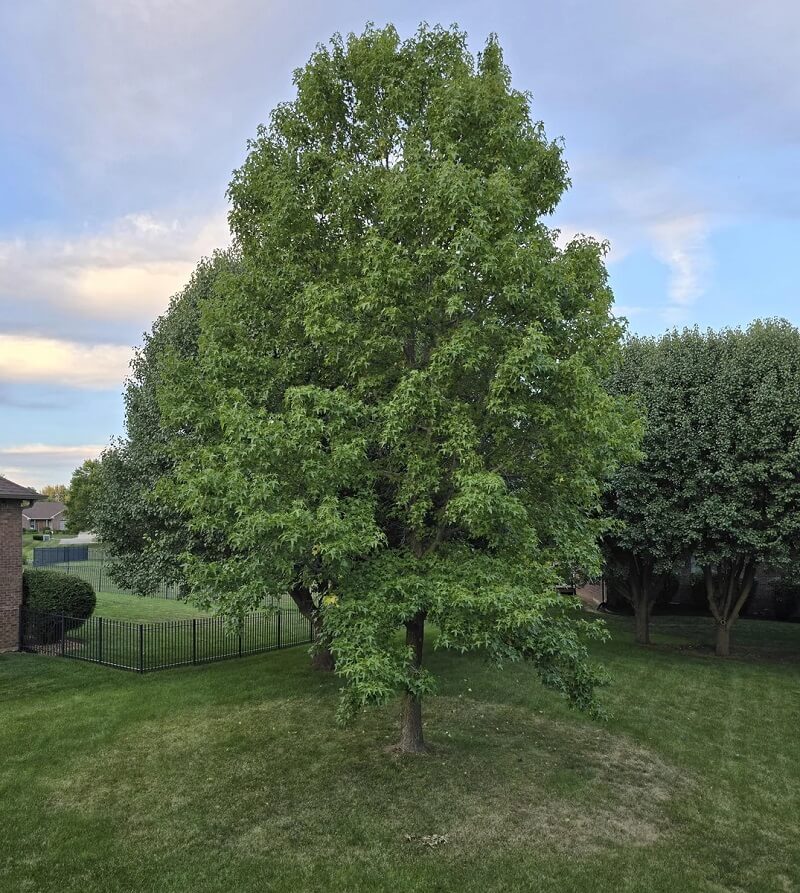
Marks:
<point>145,647</point>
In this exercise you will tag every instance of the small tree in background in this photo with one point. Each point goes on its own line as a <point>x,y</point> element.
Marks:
<point>397,401</point>
<point>84,488</point>
<point>55,492</point>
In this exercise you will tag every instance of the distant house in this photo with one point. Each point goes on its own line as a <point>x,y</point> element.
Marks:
<point>45,516</point>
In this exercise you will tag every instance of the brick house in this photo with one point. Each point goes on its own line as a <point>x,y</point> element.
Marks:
<point>12,499</point>
<point>45,516</point>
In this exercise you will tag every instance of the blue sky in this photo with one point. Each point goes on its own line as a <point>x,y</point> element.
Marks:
<point>121,123</point>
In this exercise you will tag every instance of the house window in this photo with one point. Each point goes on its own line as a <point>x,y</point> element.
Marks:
<point>32,524</point>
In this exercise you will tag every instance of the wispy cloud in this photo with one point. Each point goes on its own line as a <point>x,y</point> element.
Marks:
<point>50,451</point>
<point>31,358</point>
<point>38,464</point>
<point>682,244</point>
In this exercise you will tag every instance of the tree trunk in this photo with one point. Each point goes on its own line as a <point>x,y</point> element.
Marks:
<point>322,658</point>
<point>723,648</point>
<point>411,740</point>
<point>641,611</point>
<point>727,594</point>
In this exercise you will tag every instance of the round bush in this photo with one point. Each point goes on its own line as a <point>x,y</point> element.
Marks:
<point>51,592</point>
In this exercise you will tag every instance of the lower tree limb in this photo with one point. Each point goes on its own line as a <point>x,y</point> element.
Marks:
<point>411,739</point>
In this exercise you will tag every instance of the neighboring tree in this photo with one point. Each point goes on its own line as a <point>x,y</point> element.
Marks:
<point>143,536</point>
<point>397,403</point>
<point>55,492</point>
<point>722,456</point>
<point>84,488</point>
<point>642,546</point>
<point>145,533</point>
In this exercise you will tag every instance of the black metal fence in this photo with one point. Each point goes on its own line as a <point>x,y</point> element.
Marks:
<point>144,647</point>
<point>98,573</point>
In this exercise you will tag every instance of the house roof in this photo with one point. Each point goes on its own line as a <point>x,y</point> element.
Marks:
<point>10,490</point>
<point>43,511</point>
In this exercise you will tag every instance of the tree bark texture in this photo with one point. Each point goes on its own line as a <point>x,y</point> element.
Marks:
<point>322,657</point>
<point>641,612</point>
<point>723,648</point>
<point>728,589</point>
<point>411,738</point>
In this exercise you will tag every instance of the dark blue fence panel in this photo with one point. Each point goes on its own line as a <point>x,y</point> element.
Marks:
<point>47,555</point>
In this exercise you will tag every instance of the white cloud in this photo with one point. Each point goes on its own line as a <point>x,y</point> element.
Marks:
<point>31,358</point>
<point>50,451</point>
<point>682,244</point>
<point>39,464</point>
<point>128,271</point>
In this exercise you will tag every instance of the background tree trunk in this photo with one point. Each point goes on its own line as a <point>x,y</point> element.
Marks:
<point>727,594</point>
<point>641,612</point>
<point>723,648</point>
<point>411,740</point>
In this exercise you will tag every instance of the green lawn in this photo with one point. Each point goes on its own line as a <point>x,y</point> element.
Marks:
<point>233,776</point>
<point>142,609</point>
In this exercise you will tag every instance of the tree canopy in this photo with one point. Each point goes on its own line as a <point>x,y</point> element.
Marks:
<point>397,402</point>
<point>719,478</point>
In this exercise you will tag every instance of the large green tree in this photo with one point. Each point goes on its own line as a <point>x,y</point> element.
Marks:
<point>396,405</point>
<point>720,477</point>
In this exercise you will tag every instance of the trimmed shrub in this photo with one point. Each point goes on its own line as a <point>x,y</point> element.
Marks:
<point>786,600</point>
<point>51,592</point>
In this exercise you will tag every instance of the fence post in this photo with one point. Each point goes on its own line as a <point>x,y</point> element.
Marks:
<point>141,648</point>
<point>100,640</point>
<point>240,637</point>
<point>194,640</point>
<point>63,635</point>
<point>279,627</point>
